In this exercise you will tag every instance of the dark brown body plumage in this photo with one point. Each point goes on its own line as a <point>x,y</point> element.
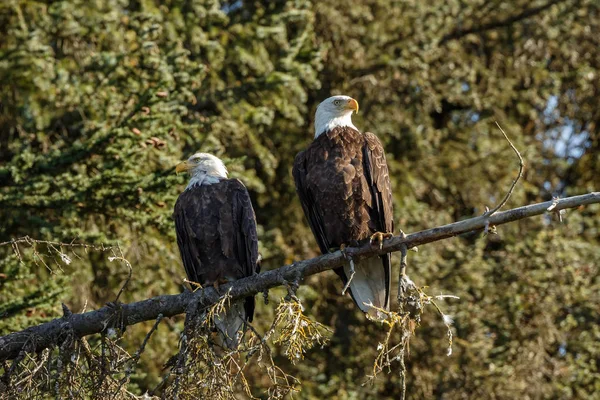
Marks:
<point>216,234</point>
<point>344,187</point>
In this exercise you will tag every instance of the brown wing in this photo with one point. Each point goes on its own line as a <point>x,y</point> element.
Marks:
<point>310,207</point>
<point>246,237</point>
<point>378,179</point>
<point>189,246</point>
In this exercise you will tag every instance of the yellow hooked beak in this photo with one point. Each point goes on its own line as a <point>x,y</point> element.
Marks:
<point>353,105</point>
<point>182,167</point>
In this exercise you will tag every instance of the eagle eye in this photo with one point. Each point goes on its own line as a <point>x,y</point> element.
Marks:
<point>337,102</point>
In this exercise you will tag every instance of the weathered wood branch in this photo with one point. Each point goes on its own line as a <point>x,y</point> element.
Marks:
<point>50,333</point>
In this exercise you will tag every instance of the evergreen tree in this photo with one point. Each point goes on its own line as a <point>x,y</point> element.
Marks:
<point>99,100</point>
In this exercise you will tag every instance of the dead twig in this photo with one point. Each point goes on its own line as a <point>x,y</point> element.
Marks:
<point>136,357</point>
<point>30,241</point>
<point>121,258</point>
<point>520,174</point>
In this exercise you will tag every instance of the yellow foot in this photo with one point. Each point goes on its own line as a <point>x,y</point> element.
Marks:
<point>379,237</point>
<point>195,285</point>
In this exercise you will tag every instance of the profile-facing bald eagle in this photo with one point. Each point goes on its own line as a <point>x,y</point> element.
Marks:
<point>344,187</point>
<point>216,234</point>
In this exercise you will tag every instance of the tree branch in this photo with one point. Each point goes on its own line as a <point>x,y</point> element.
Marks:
<point>459,33</point>
<point>528,13</point>
<point>48,334</point>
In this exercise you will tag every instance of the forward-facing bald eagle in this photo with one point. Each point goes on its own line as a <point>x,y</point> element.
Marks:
<point>344,187</point>
<point>216,234</point>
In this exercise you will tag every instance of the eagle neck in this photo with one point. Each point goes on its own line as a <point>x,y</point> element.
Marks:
<point>324,123</point>
<point>201,179</point>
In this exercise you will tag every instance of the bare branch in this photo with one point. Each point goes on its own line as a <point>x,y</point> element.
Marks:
<point>31,242</point>
<point>45,335</point>
<point>521,166</point>
<point>122,258</point>
<point>525,14</point>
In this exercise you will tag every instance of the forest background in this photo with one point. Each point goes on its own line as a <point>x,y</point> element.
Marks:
<point>100,99</point>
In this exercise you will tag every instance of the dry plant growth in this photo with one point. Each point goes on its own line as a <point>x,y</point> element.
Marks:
<point>296,332</point>
<point>401,327</point>
<point>204,369</point>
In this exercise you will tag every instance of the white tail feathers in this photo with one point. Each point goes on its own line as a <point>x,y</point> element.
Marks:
<point>369,286</point>
<point>229,325</point>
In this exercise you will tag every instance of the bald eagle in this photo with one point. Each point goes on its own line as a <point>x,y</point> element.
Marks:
<point>343,184</point>
<point>216,234</point>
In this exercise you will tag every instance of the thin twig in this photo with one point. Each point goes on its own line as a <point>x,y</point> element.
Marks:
<point>136,357</point>
<point>31,374</point>
<point>139,352</point>
<point>352,272</point>
<point>30,241</point>
<point>521,166</point>
<point>128,264</point>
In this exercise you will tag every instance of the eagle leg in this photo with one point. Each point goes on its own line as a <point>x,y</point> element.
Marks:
<point>379,237</point>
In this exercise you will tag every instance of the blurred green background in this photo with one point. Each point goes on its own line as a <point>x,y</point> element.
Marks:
<point>100,99</point>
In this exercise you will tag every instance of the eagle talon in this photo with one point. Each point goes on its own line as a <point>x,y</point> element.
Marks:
<point>379,237</point>
<point>193,285</point>
<point>219,282</point>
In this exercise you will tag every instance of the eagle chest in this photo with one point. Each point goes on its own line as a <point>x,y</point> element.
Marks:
<point>337,176</point>
<point>210,223</point>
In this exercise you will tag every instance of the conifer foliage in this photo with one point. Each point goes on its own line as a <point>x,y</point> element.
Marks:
<point>100,99</point>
